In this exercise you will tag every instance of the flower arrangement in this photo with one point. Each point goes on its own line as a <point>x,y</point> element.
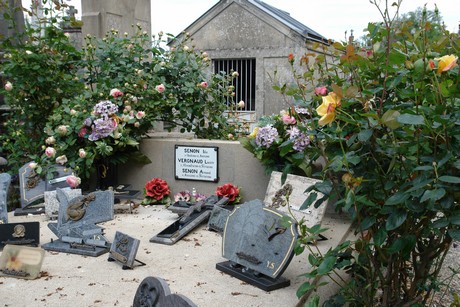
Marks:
<point>381,130</point>
<point>156,192</point>
<point>232,192</point>
<point>188,196</point>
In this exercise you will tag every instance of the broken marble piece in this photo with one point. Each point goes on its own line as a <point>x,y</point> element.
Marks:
<point>298,184</point>
<point>52,203</point>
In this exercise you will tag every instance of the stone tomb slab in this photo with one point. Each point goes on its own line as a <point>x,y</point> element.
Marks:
<point>21,261</point>
<point>52,203</point>
<point>76,226</point>
<point>26,233</point>
<point>124,249</point>
<point>32,187</point>
<point>256,242</point>
<point>5,180</point>
<point>311,215</point>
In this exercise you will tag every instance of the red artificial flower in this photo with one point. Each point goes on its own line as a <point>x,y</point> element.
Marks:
<point>228,190</point>
<point>157,188</point>
<point>291,58</point>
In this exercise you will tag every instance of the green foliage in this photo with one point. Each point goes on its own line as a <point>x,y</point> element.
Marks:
<point>383,125</point>
<point>53,85</point>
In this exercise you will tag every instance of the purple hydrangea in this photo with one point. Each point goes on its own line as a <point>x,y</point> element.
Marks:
<point>88,121</point>
<point>301,140</point>
<point>301,110</point>
<point>105,108</point>
<point>266,136</point>
<point>102,128</point>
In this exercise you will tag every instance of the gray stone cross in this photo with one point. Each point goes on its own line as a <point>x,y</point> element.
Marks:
<point>72,11</point>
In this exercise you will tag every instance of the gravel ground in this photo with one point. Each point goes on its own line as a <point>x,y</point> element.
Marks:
<point>446,298</point>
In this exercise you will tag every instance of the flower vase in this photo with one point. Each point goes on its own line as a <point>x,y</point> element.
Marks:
<point>107,175</point>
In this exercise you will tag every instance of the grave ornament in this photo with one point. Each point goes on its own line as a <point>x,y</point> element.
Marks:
<point>32,187</point>
<point>5,180</point>
<point>124,249</point>
<point>194,216</point>
<point>21,261</point>
<point>26,233</point>
<point>76,226</point>
<point>154,291</point>
<point>258,245</point>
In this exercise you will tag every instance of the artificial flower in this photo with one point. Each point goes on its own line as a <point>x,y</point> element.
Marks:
<point>291,58</point>
<point>254,132</point>
<point>327,109</point>
<point>266,136</point>
<point>446,62</point>
<point>182,196</point>
<point>230,191</point>
<point>156,191</point>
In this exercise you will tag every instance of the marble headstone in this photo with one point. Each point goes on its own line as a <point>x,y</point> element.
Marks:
<point>311,215</point>
<point>21,261</point>
<point>124,249</point>
<point>52,203</point>
<point>154,291</point>
<point>5,180</point>
<point>33,186</point>
<point>255,238</point>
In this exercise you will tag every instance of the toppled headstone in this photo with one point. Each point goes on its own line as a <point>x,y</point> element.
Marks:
<point>5,180</point>
<point>21,261</point>
<point>218,219</point>
<point>258,245</point>
<point>154,291</point>
<point>274,198</point>
<point>32,187</point>
<point>76,226</point>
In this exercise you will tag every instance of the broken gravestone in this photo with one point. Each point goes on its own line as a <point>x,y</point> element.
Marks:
<point>76,226</point>
<point>5,180</point>
<point>275,198</point>
<point>32,187</point>
<point>259,244</point>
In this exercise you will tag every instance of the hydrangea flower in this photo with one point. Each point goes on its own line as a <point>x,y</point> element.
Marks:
<point>102,128</point>
<point>105,108</point>
<point>266,136</point>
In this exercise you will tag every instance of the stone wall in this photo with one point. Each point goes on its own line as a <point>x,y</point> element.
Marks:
<point>235,165</point>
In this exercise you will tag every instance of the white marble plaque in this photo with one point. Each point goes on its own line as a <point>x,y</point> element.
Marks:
<point>52,203</point>
<point>311,215</point>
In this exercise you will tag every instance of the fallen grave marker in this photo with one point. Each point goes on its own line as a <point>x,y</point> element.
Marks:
<point>258,245</point>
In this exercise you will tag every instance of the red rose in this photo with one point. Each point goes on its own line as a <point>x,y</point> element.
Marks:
<point>228,190</point>
<point>157,188</point>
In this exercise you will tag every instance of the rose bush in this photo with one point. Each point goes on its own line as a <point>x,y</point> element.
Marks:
<point>384,138</point>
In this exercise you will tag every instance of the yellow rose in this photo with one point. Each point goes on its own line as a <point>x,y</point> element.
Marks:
<point>254,132</point>
<point>446,63</point>
<point>327,109</point>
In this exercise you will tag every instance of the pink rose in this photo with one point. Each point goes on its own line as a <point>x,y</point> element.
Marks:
<point>321,91</point>
<point>241,104</point>
<point>160,88</point>
<point>81,153</point>
<point>50,152</point>
<point>288,120</point>
<point>61,160</point>
<point>33,165</point>
<point>116,93</point>
<point>204,84</point>
<point>62,129</point>
<point>73,181</point>
<point>140,114</point>
<point>8,86</point>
